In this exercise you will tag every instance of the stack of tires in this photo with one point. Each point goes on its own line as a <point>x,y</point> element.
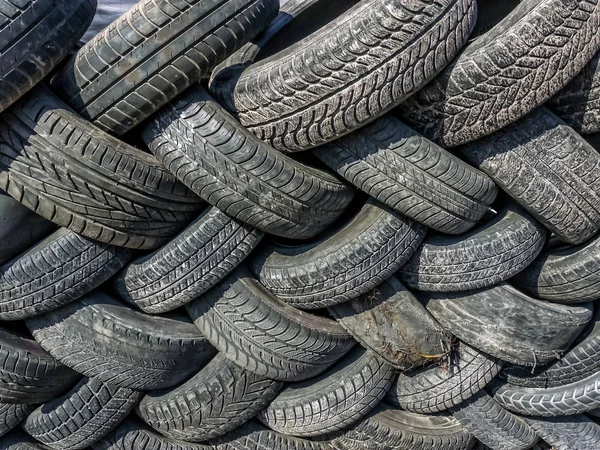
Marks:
<point>330,225</point>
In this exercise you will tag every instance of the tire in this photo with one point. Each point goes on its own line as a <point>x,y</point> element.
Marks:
<point>493,83</point>
<point>218,399</point>
<point>436,388</point>
<point>57,271</point>
<point>343,264</point>
<point>228,167</point>
<point>491,424</point>
<point>394,164</point>
<point>508,324</point>
<point>82,416</point>
<point>11,415</point>
<point>254,436</point>
<point>71,173</point>
<point>388,428</point>
<point>548,169</point>
<point>578,103</point>
<point>262,334</point>
<point>349,72</point>
<point>392,323</point>
<point>567,433</point>
<point>124,74</point>
<point>17,440</point>
<point>190,264</point>
<point>485,256</point>
<point>335,400</point>
<point>103,339</point>
<point>35,37</point>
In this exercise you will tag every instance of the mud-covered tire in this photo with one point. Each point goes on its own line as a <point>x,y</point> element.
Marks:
<point>350,71</point>
<point>567,433</point>
<point>82,416</point>
<point>34,37</point>
<point>548,169</point>
<point>104,339</point>
<point>436,388</point>
<point>218,399</point>
<point>485,256</point>
<point>126,73</point>
<point>493,83</point>
<point>262,334</point>
<point>394,164</point>
<point>341,265</point>
<point>11,415</point>
<point>79,177</point>
<point>190,264</point>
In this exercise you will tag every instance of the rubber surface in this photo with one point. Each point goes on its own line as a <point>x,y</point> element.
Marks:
<point>568,433</point>
<point>18,440</point>
<point>254,436</point>
<point>11,414</point>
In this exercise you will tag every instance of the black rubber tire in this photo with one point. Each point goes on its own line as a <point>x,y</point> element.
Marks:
<point>104,339</point>
<point>494,426</point>
<point>253,436</point>
<point>81,417</point>
<point>493,83</point>
<point>349,72</point>
<point>547,168</point>
<point>152,53</point>
<point>79,177</point>
<point>391,162</point>
<point>508,324</point>
<point>190,264</point>
<point>567,433</point>
<point>35,36</point>
<point>11,415</point>
<point>388,428</point>
<point>436,388</point>
<point>262,334</point>
<point>343,264</point>
<point>334,400</point>
<point>392,323</point>
<point>218,399</point>
<point>226,165</point>
<point>18,440</point>
<point>578,103</point>
<point>485,256</point>
<point>57,271</point>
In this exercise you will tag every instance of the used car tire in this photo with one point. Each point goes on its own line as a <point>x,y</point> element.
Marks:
<point>18,440</point>
<point>567,433</point>
<point>254,436</point>
<point>11,415</point>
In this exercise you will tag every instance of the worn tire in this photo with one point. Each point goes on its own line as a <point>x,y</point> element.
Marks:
<point>79,177</point>
<point>394,164</point>
<point>35,36</point>
<point>81,417</point>
<point>349,72</point>
<point>190,264</point>
<point>18,440</point>
<point>125,74</point>
<point>104,339</point>
<point>262,334</point>
<point>11,415</point>
<point>567,433</point>
<point>253,436</point>
<point>547,168</point>
<point>485,256</point>
<point>509,71</point>
<point>218,399</point>
<point>436,388</point>
<point>211,153</point>
<point>343,264</point>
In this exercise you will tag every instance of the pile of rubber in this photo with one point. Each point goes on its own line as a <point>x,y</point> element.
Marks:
<point>345,225</point>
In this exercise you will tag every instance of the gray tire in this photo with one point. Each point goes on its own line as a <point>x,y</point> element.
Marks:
<point>254,436</point>
<point>567,433</point>
<point>18,440</point>
<point>11,415</point>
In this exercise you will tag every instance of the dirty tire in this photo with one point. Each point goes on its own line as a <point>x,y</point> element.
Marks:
<point>493,83</point>
<point>548,169</point>
<point>485,256</point>
<point>341,265</point>
<point>567,433</point>
<point>334,400</point>
<point>79,177</point>
<point>391,162</point>
<point>344,75</point>
<point>18,440</point>
<point>436,388</point>
<point>57,271</point>
<point>11,414</point>
<point>491,424</point>
<point>508,324</point>
<point>262,334</point>
<point>254,436</point>
<point>392,323</point>
<point>82,416</point>
<point>212,154</point>
<point>35,36</point>
<point>124,74</point>
<point>104,339</point>
<point>190,264</point>
<point>218,399</point>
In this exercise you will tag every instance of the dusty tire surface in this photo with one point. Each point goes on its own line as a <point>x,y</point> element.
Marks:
<point>18,440</point>
<point>567,433</point>
<point>11,415</point>
<point>253,436</point>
